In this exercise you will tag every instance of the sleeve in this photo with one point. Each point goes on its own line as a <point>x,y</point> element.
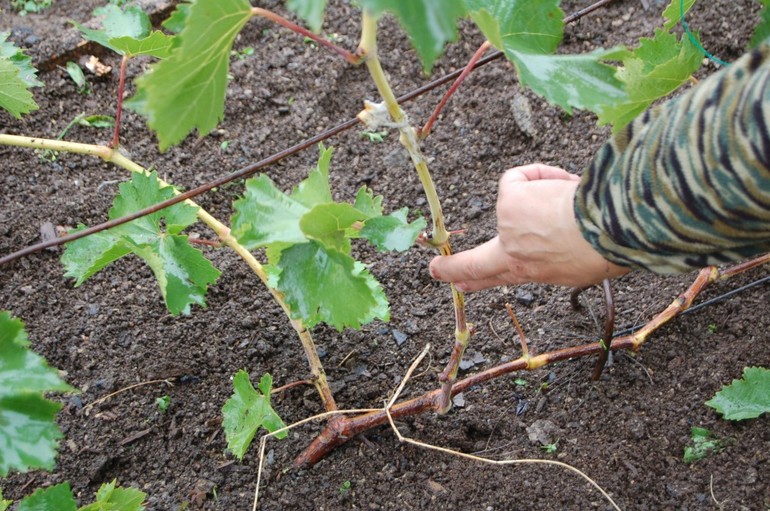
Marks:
<point>687,184</point>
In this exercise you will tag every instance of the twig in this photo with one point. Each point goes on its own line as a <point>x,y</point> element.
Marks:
<point>609,329</point>
<point>522,337</point>
<point>425,131</point>
<point>276,18</point>
<point>444,450</point>
<point>121,87</point>
<point>167,381</point>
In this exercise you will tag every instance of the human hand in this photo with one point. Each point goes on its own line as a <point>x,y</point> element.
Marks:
<point>538,238</point>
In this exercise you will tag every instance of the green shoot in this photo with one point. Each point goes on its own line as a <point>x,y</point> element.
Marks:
<point>163,403</point>
<point>521,382</point>
<point>550,448</point>
<point>704,443</point>
<point>24,7</point>
<point>712,328</point>
<point>77,76</point>
<point>243,53</point>
<point>375,136</point>
<point>345,487</point>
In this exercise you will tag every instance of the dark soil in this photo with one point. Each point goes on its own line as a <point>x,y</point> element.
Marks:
<point>627,431</point>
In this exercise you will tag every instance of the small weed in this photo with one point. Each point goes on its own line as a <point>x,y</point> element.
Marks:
<point>712,328</point>
<point>550,448</point>
<point>224,145</point>
<point>704,443</point>
<point>24,7</point>
<point>374,136</point>
<point>77,76</point>
<point>243,53</point>
<point>344,487</point>
<point>163,402</point>
<point>521,382</point>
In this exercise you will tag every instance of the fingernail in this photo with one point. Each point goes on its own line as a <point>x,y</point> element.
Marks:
<point>462,287</point>
<point>433,272</point>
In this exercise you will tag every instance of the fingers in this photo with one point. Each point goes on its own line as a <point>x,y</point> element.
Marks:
<point>535,172</point>
<point>480,263</point>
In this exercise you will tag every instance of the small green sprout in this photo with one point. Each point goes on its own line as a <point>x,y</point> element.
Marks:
<point>24,7</point>
<point>603,344</point>
<point>224,145</point>
<point>550,448</point>
<point>374,136</point>
<point>521,382</point>
<point>163,402</point>
<point>712,328</point>
<point>77,76</point>
<point>704,443</point>
<point>243,53</point>
<point>345,487</point>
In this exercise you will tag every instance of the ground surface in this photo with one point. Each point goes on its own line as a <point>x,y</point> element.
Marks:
<point>627,431</point>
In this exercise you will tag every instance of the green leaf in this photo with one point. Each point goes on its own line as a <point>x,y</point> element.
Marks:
<point>176,22</point>
<point>186,91</point>
<point>322,285</point>
<point>157,45</point>
<point>54,498</point>
<point>4,503</point>
<point>367,203</point>
<point>117,23</point>
<point>762,30</point>
<point>97,121</point>
<point>704,443</point>
<point>28,432</point>
<point>430,24</point>
<point>327,224</point>
<point>658,67</point>
<point>747,398</point>
<point>248,410</point>
<point>519,25</point>
<point>311,11</point>
<point>393,232</point>
<point>182,272</point>
<point>266,215</point>
<point>315,189</point>
<point>111,498</point>
<point>27,72</point>
<point>528,33</point>
<point>673,12</point>
<point>14,94</point>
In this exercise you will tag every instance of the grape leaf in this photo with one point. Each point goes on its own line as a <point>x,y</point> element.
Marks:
<point>430,24</point>
<point>266,215</point>
<point>322,285</point>
<point>18,58</point>
<point>655,69</point>
<point>111,498</point>
<point>673,12</point>
<point>528,27</point>
<point>14,94</point>
<point>747,398</point>
<point>528,32</point>
<point>157,45</point>
<point>54,498</point>
<point>367,203</point>
<point>311,11</point>
<point>247,410</point>
<point>117,23</point>
<point>28,433</point>
<point>176,22</point>
<point>182,272</point>
<point>328,224</point>
<point>186,91</point>
<point>315,190</point>
<point>762,30</point>
<point>393,232</point>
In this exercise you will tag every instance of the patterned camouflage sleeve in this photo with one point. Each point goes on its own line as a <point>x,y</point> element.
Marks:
<point>687,184</point>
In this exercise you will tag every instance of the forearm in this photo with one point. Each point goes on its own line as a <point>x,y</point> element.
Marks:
<point>688,183</point>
